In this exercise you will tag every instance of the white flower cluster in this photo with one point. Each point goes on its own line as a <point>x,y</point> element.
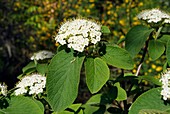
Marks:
<point>44,54</point>
<point>3,88</point>
<point>78,33</point>
<point>165,79</point>
<point>154,15</point>
<point>33,83</point>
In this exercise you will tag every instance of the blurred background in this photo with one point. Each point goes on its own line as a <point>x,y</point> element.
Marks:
<point>27,26</point>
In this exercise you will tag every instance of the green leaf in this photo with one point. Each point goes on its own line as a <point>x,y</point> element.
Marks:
<point>75,107</point>
<point>149,100</point>
<point>64,112</point>
<point>63,79</point>
<point>81,112</point>
<point>91,104</point>
<point>164,39</point>
<point>135,39</point>
<point>97,74</point>
<point>90,109</point>
<point>95,99</point>
<point>67,112</point>
<point>96,104</point>
<point>156,49</point>
<point>150,79</point>
<point>105,30</point>
<point>42,68</point>
<point>118,57</point>
<point>121,95</point>
<point>23,105</point>
<point>168,51</point>
<point>31,9</point>
<point>28,68</point>
<point>152,111</point>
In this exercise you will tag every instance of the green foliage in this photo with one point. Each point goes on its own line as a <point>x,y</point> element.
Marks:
<point>97,74</point>
<point>63,80</point>
<point>118,57</point>
<point>136,38</point>
<point>95,99</point>
<point>74,109</point>
<point>42,68</point>
<point>168,52</point>
<point>150,79</point>
<point>164,39</point>
<point>29,68</point>
<point>152,111</point>
<point>30,25</point>
<point>149,101</point>
<point>105,30</point>
<point>93,109</point>
<point>93,105</point>
<point>121,93</point>
<point>156,49</point>
<point>23,105</point>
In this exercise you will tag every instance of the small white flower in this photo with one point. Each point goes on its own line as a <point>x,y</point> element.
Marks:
<point>20,90</point>
<point>78,34</point>
<point>154,16</point>
<point>33,83</point>
<point>3,88</point>
<point>167,20</point>
<point>44,54</point>
<point>165,79</point>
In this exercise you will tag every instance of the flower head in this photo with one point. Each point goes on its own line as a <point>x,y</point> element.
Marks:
<point>33,84</point>
<point>154,16</point>
<point>44,54</point>
<point>165,79</point>
<point>78,34</point>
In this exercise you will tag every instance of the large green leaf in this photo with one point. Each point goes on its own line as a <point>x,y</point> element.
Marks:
<point>118,57</point>
<point>156,49</point>
<point>23,105</point>
<point>150,100</point>
<point>135,39</point>
<point>168,52</point>
<point>63,80</point>
<point>97,74</point>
